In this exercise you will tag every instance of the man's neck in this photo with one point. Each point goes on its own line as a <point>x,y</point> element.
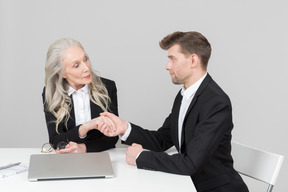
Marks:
<point>194,78</point>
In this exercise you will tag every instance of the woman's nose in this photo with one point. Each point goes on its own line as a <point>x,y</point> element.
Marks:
<point>85,67</point>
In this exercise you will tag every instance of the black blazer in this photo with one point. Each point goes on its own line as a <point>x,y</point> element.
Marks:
<point>205,145</point>
<point>95,141</point>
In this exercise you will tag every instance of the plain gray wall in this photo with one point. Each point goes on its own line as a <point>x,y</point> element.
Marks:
<point>249,41</point>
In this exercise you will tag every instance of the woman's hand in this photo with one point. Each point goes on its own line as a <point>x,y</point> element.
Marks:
<point>73,147</point>
<point>93,124</point>
<point>116,127</point>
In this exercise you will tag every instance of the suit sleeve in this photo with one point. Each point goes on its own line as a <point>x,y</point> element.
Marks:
<point>98,141</point>
<point>214,120</point>
<point>158,141</point>
<point>95,140</point>
<point>65,135</point>
<point>112,91</point>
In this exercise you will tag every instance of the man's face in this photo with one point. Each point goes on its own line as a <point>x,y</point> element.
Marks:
<point>178,65</point>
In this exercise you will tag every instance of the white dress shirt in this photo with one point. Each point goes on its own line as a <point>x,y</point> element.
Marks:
<point>81,102</point>
<point>187,96</point>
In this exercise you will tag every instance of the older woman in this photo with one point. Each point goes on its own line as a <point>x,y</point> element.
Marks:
<point>73,98</point>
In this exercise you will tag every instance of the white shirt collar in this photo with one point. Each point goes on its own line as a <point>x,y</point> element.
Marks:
<point>71,90</point>
<point>190,91</point>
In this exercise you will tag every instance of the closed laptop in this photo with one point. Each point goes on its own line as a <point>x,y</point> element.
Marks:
<point>70,166</point>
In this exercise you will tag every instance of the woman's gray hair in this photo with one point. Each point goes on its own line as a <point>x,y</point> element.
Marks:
<point>57,100</point>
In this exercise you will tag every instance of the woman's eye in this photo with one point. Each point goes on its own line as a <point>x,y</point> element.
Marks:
<point>86,59</point>
<point>76,65</point>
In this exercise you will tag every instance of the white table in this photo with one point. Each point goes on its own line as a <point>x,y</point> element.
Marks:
<point>127,178</point>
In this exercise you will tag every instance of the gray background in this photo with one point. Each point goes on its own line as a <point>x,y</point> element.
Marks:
<point>249,41</point>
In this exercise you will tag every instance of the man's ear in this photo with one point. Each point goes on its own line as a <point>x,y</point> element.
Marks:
<point>194,60</point>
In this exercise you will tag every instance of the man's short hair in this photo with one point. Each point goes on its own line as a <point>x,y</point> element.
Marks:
<point>191,42</point>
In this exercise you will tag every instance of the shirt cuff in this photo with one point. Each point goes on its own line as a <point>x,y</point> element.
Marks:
<point>127,133</point>
<point>83,137</point>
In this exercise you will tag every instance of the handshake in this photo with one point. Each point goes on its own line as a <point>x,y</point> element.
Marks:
<point>110,125</point>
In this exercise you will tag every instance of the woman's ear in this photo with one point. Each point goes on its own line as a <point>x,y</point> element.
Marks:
<point>64,76</point>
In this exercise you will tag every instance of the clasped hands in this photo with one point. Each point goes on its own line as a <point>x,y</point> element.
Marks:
<point>111,125</point>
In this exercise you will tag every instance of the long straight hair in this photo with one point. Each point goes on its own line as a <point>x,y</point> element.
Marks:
<point>57,100</point>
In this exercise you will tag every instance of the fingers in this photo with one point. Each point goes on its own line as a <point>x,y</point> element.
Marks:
<point>109,115</point>
<point>135,145</point>
<point>71,147</point>
<point>109,122</point>
<point>132,153</point>
<point>106,126</point>
<point>120,125</point>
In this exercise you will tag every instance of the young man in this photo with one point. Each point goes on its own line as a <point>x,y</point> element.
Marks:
<point>199,125</point>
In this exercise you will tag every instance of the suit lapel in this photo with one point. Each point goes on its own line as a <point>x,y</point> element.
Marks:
<point>72,121</point>
<point>202,87</point>
<point>95,110</point>
<point>175,117</point>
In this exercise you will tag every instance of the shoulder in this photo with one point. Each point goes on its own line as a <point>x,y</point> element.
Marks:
<point>211,88</point>
<point>109,84</point>
<point>43,92</point>
<point>212,93</point>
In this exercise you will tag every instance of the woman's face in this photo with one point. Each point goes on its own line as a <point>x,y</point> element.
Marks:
<point>77,67</point>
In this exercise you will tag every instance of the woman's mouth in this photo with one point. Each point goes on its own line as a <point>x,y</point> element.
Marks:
<point>88,76</point>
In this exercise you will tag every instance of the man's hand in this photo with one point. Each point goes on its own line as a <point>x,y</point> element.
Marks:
<point>132,153</point>
<point>93,124</point>
<point>115,126</point>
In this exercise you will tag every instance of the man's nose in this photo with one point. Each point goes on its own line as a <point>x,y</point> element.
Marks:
<point>168,66</point>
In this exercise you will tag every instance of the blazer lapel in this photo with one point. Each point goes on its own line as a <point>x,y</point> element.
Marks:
<point>175,117</point>
<point>71,120</point>
<point>202,87</point>
<point>95,110</point>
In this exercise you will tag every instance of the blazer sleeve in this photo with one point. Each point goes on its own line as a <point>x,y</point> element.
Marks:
<point>112,92</point>
<point>200,145</point>
<point>71,134</point>
<point>158,141</point>
<point>95,140</point>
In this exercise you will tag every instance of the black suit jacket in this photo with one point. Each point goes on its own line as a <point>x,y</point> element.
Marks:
<point>95,141</point>
<point>205,145</point>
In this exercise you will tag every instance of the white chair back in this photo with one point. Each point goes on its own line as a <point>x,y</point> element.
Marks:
<point>258,164</point>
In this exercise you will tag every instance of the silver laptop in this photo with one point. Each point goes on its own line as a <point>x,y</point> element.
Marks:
<point>70,166</point>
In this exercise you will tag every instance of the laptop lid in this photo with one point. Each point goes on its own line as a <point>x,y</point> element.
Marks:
<point>70,166</point>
